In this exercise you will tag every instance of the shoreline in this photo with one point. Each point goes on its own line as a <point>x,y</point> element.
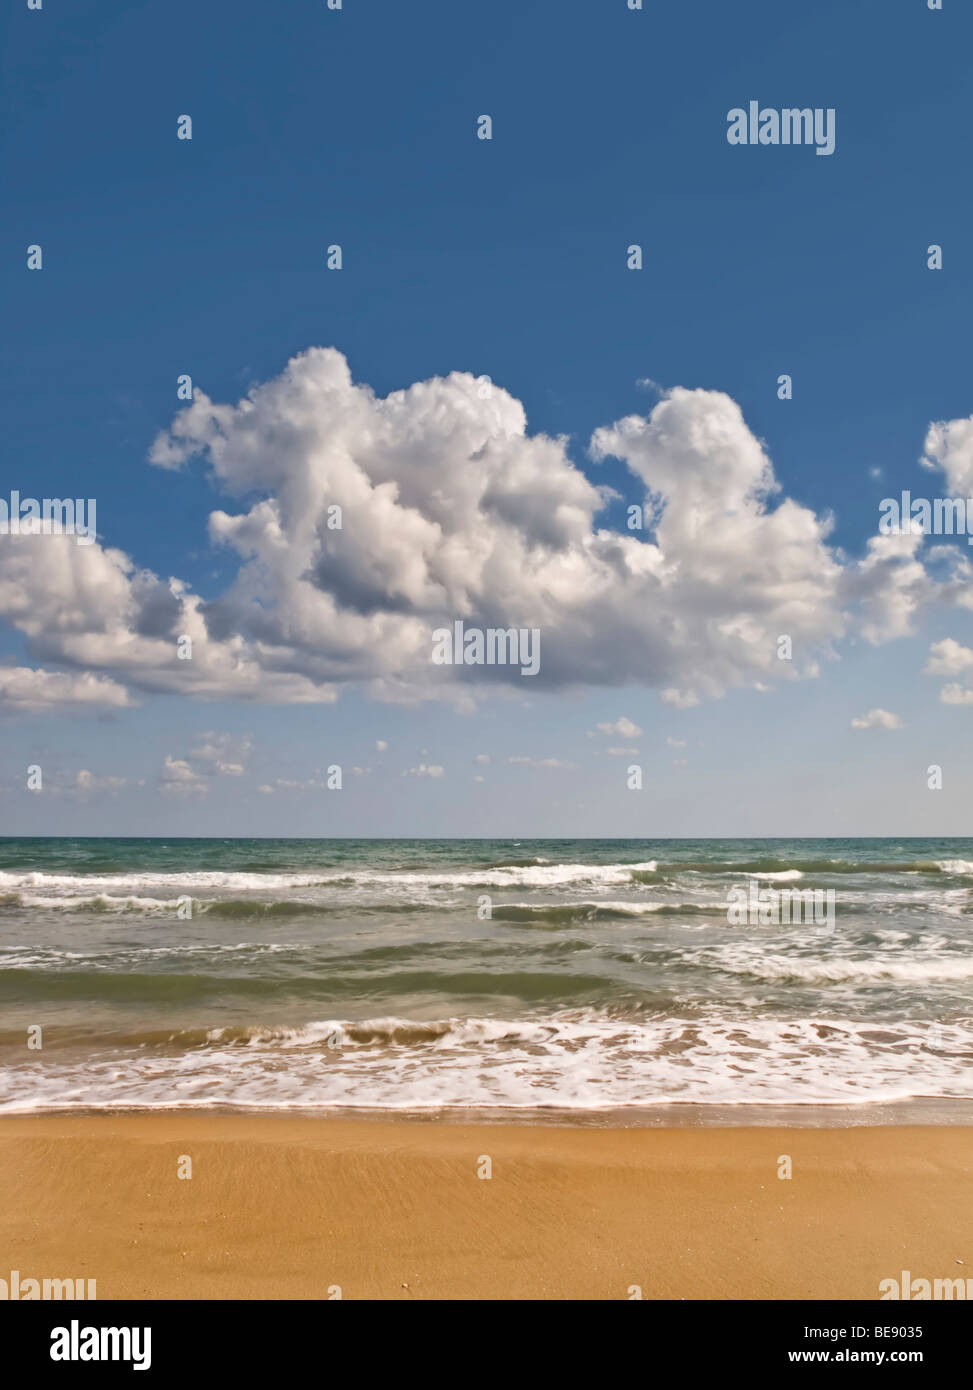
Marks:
<point>916,1112</point>
<point>297,1206</point>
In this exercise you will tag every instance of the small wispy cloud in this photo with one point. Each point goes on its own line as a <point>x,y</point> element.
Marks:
<point>877,719</point>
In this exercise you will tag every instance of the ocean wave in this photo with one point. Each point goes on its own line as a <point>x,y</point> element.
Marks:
<point>219,907</point>
<point>576,1061</point>
<point>846,970</point>
<point>532,862</point>
<point>962,868</point>
<point>540,875</point>
<point>567,913</point>
<point>146,890</point>
<point>105,985</point>
<point>777,875</point>
<point>820,867</point>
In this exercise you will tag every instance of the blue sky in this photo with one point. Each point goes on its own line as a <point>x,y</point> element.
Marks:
<point>505,258</point>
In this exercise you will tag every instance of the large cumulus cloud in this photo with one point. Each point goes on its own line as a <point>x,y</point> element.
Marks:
<point>451,510</point>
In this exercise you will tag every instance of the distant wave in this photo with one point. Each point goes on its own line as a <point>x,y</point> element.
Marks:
<point>568,913</point>
<point>104,889</point>
<point>243,908</point>
<point>522,875</point>
<point>772,867</point>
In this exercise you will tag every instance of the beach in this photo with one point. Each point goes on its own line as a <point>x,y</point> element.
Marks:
<point>282,1206</point>
<point>470,1069</point>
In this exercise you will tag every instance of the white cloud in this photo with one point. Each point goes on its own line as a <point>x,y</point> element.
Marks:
<point>179,779</point>
<point>524,761</point>
<point>948,658</point>
<point>90,608</point>
<point>680,699</point>
<point>88,782</point>
<point>223,754</point>
<point>955,694</point>
<point>949,446</point>
<point>213,755</point>
<point>434,770</point>
<point>877,719</point>
<point>890,585</point>
<point>381,745</point>
<point>623,727</point>
<point>29,690</point>
<point>451,509</point>
<point>294,784</point>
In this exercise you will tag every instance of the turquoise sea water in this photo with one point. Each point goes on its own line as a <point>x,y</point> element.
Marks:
<point>566,976</point>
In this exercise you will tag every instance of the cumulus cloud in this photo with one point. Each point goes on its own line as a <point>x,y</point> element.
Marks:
<point>449,509</point>
<point>87,781</point>
<point>948,658</point>
<point>90,608</point>
<point>178,778</point>
<point>877,719</point>
<point>623,727</point>
<point>223,754</point>
<point>26,689</point>
<point>684,699</point>
<point>890,585</point>
<point>213,755</point>
<point>424,770</point>
<point>956,694</point>
<point>949,446</point>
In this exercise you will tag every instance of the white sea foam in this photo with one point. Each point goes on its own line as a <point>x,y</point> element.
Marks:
<point>143,891</point>
<point>956,866</point>
<point>568,1062</point>
<point>127,883</point>
<point>839,970</point>
<point>534,875</point>
<point>780,876</point>
<point>105,902</point>
<point>625,907</point>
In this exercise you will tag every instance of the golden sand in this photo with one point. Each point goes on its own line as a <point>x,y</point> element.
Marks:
<point>293,1207</point>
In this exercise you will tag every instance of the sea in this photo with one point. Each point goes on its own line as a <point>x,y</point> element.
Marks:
<point>575,981</point>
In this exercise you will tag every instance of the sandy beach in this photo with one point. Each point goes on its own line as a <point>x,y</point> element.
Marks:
<point>298,1207</point>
